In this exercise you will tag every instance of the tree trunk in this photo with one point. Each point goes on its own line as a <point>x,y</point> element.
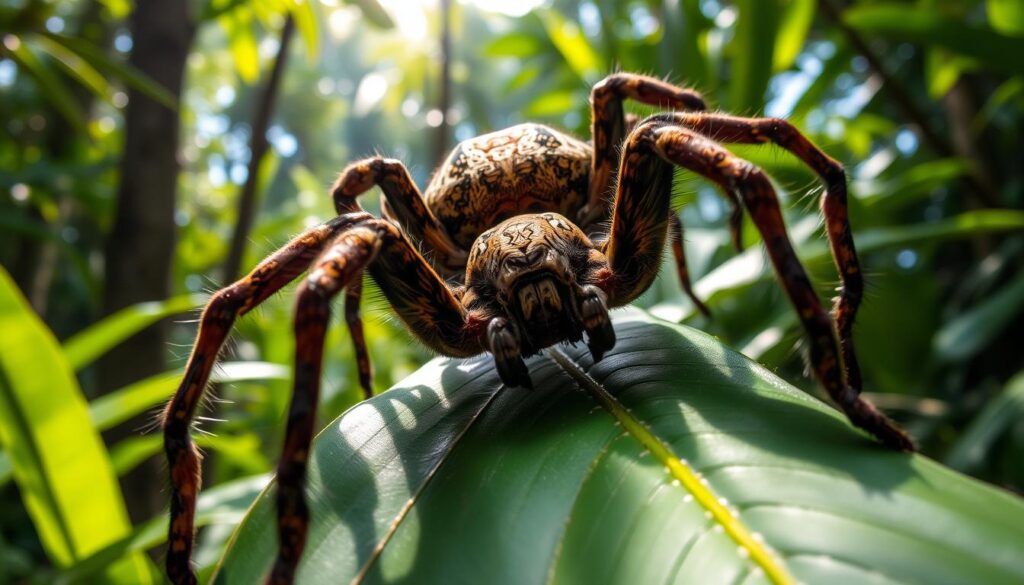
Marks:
<point>140,247</point>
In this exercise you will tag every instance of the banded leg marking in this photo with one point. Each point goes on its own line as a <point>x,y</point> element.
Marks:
<point>215,324</point>
<point>608,127</point>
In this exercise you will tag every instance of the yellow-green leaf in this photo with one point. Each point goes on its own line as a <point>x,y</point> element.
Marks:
<point>58,459</point>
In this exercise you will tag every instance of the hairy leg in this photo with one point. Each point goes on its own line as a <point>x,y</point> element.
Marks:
<point>404,203</point>
<point>657,139</point>
<point>675,227</point>
<point>353,296</point>
<point>419,296</point>
<point>608,127</point>
<point>215,324</point>
<point>341,265</point>
<point>726,128</point>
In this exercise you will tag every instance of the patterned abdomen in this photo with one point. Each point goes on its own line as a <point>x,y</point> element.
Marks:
<point>523,169</point>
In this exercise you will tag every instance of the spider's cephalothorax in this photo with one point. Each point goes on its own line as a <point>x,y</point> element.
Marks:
<point>532,236</point>
<point>537,273</point>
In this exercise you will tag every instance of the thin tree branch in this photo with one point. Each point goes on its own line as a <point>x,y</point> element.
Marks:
<point>984,190</point>
<point>441,135</point>
<point>258,149</point>
<point>890,84</point>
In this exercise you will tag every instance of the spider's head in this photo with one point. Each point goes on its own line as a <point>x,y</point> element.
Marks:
<point>536,273</point>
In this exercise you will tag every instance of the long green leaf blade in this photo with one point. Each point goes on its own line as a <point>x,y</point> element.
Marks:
<point>123,71</point>
<point>572,44</point>
<point>222,504</point>
<point>86,346</point>
<point>51,85</point>
<point>58,459</point>
<point>753,54</point>
<point>750,266</point>
<point>972,330</point>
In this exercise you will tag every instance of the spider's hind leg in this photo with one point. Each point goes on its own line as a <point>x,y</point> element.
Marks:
<point>675,227</point>
<point>353,297</point>
<point>341,265</point>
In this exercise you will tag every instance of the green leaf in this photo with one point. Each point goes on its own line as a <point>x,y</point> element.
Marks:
<point>751,266</point>
<point>514,44</point>
<point>1012,89</point>
<point>224,504</point>
<point>885,197</point>
<point>374,12</point>
<point>123,404</point>
<point>58,459</point>
<point>123,71</point>
<point>75,66</point>
<point>971,331</point>
<point>51,86</point>
<point>118,8</point>
<point>238,25</point>
<point>304,13</point>
<point>796,23</point>
<point>1006,16</point>
<point>753,50</point>
<point>999,414</point>
<point>451,476</point>
<point>86,346</point>
<point>573,46</point>
<point>902,22</point>
<point>553,103</point>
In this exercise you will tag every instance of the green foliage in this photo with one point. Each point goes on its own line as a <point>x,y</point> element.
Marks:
<point>450,472</point>
<point>57,457</point>
<point>938,225</point>
<point>905,23</point>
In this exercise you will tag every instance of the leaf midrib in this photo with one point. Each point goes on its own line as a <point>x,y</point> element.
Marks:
<point>403,513</point>
<point>689,479</point>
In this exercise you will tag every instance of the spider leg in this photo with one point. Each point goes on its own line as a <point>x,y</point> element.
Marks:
<point>642,200</point>
<point>608,127</point>
<point>404,202</point>
<point>421,299</point>
<point>833,206</point>
<point>676,227</point>
<point>353,296</point>
<point>215,324</point>
<point>341,265</point>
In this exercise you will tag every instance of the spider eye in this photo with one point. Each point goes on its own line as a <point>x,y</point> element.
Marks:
<point>482,246</point>
<point>555,222</point>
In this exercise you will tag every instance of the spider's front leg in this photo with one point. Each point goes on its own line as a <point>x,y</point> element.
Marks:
<point>638,236</point>
<point>421,299</point>
<point>833,206</point>
<point>609,126</point>
<point>214,325</point>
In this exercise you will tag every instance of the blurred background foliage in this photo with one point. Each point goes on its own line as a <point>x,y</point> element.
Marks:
<point>922,100</point>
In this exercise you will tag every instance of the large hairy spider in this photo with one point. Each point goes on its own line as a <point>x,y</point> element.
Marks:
<point>514,224</point>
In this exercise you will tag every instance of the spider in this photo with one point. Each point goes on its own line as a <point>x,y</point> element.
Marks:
<point>522,256</point>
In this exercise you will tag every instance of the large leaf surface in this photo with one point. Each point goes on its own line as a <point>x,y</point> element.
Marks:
<point>452,478</point>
